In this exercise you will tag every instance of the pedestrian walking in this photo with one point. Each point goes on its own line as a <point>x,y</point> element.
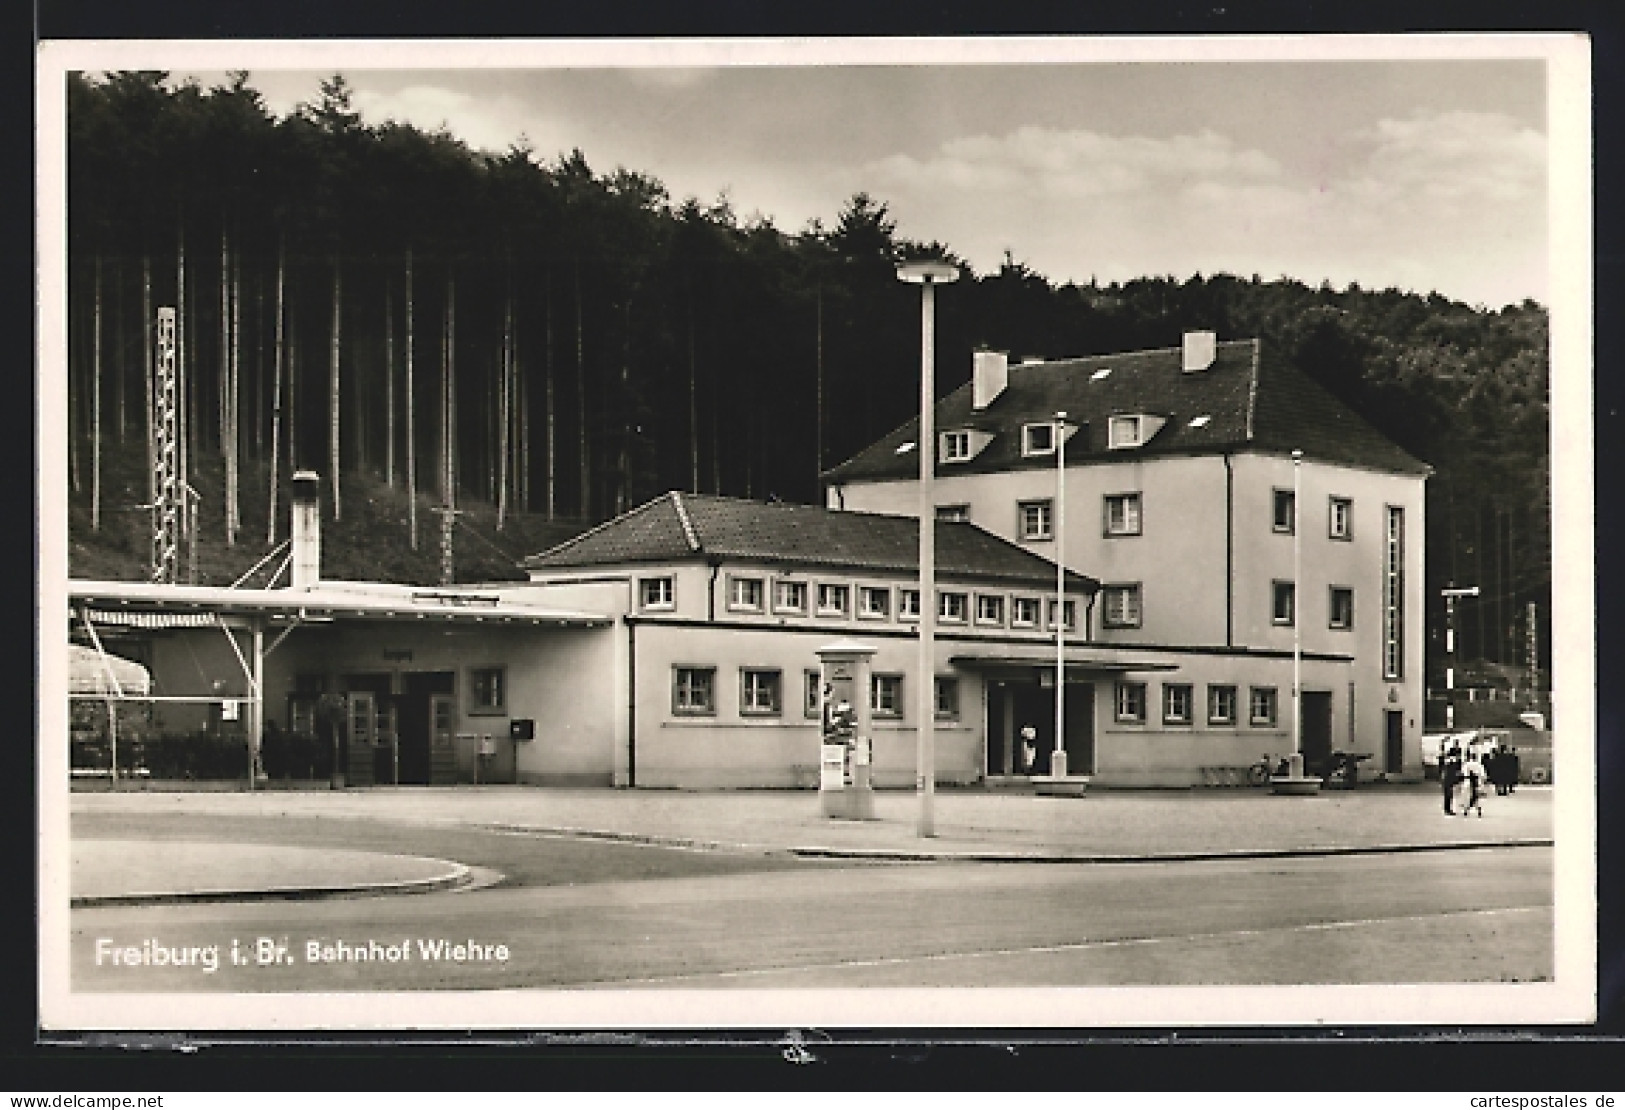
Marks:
<point>1449,776</point>
<point>1472,771</point>
<point>1514,770</point>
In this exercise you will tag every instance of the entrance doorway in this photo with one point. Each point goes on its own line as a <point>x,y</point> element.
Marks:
<point>418,720</point>
<point>1317,729</point>
<point>1013,705</point>
<point>1394,746</point>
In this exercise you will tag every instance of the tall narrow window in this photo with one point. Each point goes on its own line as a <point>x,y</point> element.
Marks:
<point>1393,596</point>
<point>1341,518</point>
<point>1285,513</point>
<point>1285,596</point>
<point>1341,608</point>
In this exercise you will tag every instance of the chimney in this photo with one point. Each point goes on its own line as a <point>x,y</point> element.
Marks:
<point>1200,349</point>
<point>990,373</point>
<point>307,529</point>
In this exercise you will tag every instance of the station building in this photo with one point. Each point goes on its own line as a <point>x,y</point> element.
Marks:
<point>1216,551</point>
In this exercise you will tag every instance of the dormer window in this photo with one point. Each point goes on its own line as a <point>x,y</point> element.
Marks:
<point>1132,431</point>
<point>961,444</point>
<point>1038,439</point>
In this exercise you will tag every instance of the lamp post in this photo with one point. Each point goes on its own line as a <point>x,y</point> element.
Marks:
<point>1057,762</point>
<point>1297,625</point>
<point>1450,594</point>
<point>927,275</point>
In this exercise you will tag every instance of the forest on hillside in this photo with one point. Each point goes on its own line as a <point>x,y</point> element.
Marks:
<point>523,336</point>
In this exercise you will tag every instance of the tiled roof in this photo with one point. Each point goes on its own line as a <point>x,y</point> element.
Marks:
<point>801,535</point>
<point>1250,399</point>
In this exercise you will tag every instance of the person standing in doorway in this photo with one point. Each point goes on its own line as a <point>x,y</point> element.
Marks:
<point>1029,749</point>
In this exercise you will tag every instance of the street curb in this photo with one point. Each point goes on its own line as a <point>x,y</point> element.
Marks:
<point>459,875</point>
<point>904,854</point>
<point>996,856</point>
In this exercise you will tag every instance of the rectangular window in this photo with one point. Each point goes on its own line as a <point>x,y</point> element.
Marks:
<point>1261,706</point>
<point>1023,612</point>
<point>1038,439</point>
<point>1176,703</point>
<point>694,690</point>
<point>989,609</point>
<point>953,513</point>
<point>1285,512</point>
<point>1131,703</point>
<point>1221,705</point>
<point>302,715</point>
<point>811,687</point>
<point>656,593</point>
<point>1341,522</point>
<point>951,607</point>
<point>745,594</point>
<point>874,602</point>
<point>908,605</point>
<point>1123,514</point>
<point>834,600</point>
<point>955,446</point>
<point>1393,596</point>
<point>886,695</point>
<point>1123,431</point>
<point>1071,615</point>
<point>1035,520</point>
<point>1121,607</point>
<point>947,692</point>
<point>789,597</point>
<point>759,693</point>
<point>487,690</point>
<point>1283,600</point>
<point>1341,612</point>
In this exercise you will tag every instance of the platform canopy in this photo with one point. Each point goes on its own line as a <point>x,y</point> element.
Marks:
<point>91,672</point>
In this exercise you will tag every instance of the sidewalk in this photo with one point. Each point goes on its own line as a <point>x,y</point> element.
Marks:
<point>137,872</point>
<point>1104,826</point>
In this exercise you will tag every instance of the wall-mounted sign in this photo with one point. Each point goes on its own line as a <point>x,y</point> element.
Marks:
<point>523,728</point>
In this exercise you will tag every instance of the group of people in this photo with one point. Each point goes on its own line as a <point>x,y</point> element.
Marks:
<point>1499,767</point>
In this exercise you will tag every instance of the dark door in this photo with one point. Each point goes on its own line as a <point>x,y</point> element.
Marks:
<point>1394,748</point>
<point>1080,728</point>
<point>414,722</point>
<point>999,745</point>
<point>1317,729</point>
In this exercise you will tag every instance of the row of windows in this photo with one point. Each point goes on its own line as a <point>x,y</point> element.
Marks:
<point>1179,706</point>
<point>694,692</point>
<point>1121,608</point>
<point>1134,430</point>
<point>1121,515</point>
<point>749,594</point>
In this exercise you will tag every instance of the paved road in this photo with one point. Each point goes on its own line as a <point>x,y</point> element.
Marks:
<point>608,915</point>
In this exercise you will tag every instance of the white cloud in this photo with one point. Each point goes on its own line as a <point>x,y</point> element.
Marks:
<point>1075,163</point>
<point>483,122</point>
<point>1465,157</point>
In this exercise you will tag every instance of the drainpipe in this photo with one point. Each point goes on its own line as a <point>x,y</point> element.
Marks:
<point>631,702</point>
<point>1089,618</point>
<point>1229,552</point>
<point>711,590</point>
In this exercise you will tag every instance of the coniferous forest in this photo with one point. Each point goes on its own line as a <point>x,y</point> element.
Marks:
<point>540,344</point>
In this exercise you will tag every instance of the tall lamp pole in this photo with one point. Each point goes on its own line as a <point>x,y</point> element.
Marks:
<point>927,275</point>
<point>1057,762</point>
<point>1297,624</point>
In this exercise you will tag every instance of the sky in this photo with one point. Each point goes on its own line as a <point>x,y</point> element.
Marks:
<point>1426,174</point>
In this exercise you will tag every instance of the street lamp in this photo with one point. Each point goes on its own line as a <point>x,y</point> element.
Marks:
<point>1450,594</point>
<point>927,275</point>
<point>1057,762</point>
<point>1297,624</point>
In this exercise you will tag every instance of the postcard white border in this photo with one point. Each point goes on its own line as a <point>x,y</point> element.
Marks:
<point>1571,997</point>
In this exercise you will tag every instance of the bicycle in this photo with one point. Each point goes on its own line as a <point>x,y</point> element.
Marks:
<point>1260,773</point>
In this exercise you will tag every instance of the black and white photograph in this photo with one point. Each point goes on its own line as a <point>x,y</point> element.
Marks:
<point>931,532</point>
